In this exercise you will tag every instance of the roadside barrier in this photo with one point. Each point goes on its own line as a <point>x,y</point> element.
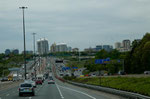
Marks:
<point>129,95</point>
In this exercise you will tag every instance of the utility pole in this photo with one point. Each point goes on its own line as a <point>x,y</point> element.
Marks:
<point>23,8</point>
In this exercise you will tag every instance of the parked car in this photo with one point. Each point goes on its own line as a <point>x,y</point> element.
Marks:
<point>26,88</point>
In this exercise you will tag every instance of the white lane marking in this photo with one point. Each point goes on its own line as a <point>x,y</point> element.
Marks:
<point>30,97</point>
<point>0,98</point>
<point>59,91</point>
<point>78,91</point>
<point>7,95</point>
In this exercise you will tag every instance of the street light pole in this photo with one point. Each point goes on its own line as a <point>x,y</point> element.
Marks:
<point>34,42</point>
<point>34,52</point>
<point>24,39</point>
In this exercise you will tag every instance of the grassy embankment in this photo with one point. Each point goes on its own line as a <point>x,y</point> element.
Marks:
<point>132,84</point>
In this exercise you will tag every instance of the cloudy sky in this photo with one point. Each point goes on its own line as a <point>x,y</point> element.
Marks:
<point>79,23</point>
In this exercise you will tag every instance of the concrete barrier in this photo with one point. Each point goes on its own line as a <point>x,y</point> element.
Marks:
<point>126,94</point>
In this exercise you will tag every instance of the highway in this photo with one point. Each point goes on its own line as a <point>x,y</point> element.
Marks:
<point>59,90</point>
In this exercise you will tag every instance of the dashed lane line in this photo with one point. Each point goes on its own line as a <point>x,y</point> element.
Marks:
<point>7,95</point>
<point>77,91</point>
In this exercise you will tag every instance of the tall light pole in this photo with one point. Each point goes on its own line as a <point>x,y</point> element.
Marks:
<point>23,8</point>
<point>34,43</point>
<point>34,52</point>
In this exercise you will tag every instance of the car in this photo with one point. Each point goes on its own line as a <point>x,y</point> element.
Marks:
<point>146,72</point>
<point>121,73</point>
<point>38,81</point>
<point>26,88</point>
<point>51,81</point>
<point>4,79</point>
<point>93,75</point>
<point>32,82</point>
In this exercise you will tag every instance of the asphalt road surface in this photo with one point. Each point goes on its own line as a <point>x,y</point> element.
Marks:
<point>59,90</point>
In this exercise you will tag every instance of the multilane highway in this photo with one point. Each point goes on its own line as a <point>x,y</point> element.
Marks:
<point>59,90</point>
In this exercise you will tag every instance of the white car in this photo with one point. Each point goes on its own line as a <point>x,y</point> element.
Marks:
<point>32,82</point>
<point>146,72</point>
<point>51,80</point>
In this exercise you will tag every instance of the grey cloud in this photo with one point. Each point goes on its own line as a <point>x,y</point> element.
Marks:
<point>80,23</point>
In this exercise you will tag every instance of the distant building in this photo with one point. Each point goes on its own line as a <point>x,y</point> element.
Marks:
<point>7,51</point>
<point>118,45</point>
<point>69,49</point>
<point>53,48</point>
<point>28,52</point>
<point>75,50</point>
<point>89,49</point>
<point>15,51</point>
<point>42,46</point>
<point>126,44</point>
<point>107,47</point>
<point>99,47</point>
<point>61,47</point>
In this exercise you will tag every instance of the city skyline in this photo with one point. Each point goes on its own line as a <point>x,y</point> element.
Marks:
<point>78,23</point>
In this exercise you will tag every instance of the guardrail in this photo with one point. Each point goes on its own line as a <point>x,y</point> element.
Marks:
<point>126,94</point>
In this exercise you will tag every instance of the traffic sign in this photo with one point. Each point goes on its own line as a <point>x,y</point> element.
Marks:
<point>14,69</point>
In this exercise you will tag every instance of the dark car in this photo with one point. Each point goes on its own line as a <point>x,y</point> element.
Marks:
<point>4,79</point>
<point>26,88</point>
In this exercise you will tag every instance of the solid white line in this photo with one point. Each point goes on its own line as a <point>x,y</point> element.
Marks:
<point>78,91</point>
<point>59,91</point>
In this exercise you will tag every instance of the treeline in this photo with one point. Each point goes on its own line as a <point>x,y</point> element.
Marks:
<point>135,61</point>
<point>113,66</point>
<point>138,59</point>
<point>10,61</point>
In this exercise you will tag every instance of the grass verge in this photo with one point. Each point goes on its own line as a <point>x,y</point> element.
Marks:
<point>131,84</point>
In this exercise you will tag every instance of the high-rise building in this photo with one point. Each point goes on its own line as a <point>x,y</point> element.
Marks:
<point>42,46</point>
<point>53,48</point>
<point>126,44</point>
<point>61,47</point>
<point>118,45</point>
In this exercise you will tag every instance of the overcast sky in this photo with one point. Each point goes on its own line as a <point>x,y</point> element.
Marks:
<point>79,23</point>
